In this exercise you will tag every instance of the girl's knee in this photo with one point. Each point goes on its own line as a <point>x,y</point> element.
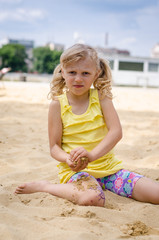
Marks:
<point>92,198</point>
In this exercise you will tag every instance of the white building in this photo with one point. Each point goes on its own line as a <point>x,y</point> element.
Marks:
<point>133,71</point>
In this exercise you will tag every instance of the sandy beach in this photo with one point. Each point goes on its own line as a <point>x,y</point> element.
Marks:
<point>24,156</point>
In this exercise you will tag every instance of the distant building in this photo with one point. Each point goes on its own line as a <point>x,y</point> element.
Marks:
<point>56,46</point>
<point>28,44</point>
<point>113,51</point>
<point>133,71</point>
<point>155,51</point>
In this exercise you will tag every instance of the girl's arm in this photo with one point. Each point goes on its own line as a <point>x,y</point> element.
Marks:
<point>55,132</point>
<point>114,130</point>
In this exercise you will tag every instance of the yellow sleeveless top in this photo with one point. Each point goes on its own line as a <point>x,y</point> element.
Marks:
<point>86,130</point>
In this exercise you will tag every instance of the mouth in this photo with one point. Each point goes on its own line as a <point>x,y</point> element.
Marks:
<point>78,86</point>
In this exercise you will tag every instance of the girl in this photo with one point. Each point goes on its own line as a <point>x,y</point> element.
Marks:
<point>83,129</point>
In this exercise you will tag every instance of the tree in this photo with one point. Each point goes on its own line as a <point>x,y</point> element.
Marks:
<point>13,55</point>
<point>45,60</point>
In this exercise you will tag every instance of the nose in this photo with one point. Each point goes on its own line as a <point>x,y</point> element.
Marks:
<point>78,78</point>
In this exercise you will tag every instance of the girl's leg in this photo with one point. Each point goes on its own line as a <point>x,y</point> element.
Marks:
<point>146,190</point>
<point>85,191</point>
<point>132,185</point>
<point>121,182</point>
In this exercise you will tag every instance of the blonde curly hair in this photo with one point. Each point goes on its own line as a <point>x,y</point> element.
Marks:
<point>74,54</point>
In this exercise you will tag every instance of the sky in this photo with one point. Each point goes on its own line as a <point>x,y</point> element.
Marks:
<point>131,25</point>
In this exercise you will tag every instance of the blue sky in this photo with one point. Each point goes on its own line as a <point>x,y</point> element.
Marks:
<point>130,24</point>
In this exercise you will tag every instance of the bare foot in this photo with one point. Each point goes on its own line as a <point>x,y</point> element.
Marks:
<point>32,187</point>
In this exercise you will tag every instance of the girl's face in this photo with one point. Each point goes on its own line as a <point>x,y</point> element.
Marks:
<point>80,75</point>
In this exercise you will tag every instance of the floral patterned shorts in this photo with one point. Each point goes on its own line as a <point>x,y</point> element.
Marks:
<point>121,183</point>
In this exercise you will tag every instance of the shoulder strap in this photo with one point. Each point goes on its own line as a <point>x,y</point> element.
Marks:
<point>63,103</point>
<point>94,95</point>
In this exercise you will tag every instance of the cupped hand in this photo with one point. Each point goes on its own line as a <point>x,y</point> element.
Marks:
<point>79,152</point>
<point>80,164</point>
<point>77,165</point>
<point>80,158</point>
<point>70,163</point>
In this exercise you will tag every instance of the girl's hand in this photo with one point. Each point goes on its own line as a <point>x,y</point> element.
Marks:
<point>77,165</point>
<point>69,162</point>
<point>79,152</point>
<point>80,164</point>
<point>80,158</point>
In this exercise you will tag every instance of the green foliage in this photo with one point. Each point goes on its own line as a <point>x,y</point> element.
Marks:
<point>45,60</point>
<point>13,55</point>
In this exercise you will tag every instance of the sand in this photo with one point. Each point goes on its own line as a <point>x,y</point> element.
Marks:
<point>24,156</point>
